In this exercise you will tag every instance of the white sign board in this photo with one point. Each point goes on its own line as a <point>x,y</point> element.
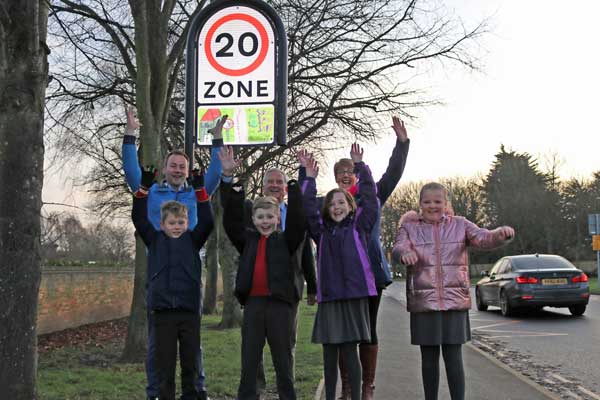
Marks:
<point>237,74</point>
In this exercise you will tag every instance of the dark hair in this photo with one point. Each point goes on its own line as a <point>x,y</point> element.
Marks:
<point>329,198</point>
<point>176,153</point>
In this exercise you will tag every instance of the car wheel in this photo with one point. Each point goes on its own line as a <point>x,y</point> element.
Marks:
<point>577,310</point>
<point>481,306</point>
<point>505,308</point>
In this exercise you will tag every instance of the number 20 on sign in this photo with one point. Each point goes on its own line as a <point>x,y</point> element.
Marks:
<point>238,71</point>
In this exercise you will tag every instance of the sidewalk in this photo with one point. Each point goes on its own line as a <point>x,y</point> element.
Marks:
<point>398,367</point>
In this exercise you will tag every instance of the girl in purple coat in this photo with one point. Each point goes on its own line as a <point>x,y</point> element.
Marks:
<point>344,276</point>
<point>433,244</point>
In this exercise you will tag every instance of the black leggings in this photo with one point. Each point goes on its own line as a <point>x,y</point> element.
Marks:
<point>430,369</point>
<point>374,302</point>
<point>330,368</point>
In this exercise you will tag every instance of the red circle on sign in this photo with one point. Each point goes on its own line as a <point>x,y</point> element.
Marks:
<point>261,56</point>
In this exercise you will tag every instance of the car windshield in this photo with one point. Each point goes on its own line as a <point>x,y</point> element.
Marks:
<point>541,263</point>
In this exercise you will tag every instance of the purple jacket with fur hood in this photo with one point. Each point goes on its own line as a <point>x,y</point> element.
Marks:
<point>343,269</point>
<point>439,281</point>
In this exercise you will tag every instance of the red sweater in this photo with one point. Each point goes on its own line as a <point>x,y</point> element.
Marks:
<point>260,279</point>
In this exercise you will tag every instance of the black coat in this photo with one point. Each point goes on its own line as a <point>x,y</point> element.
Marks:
<point>282,261</point>
<point>174,278</point>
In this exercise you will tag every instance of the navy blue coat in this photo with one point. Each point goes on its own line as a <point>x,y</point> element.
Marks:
<point>174,276</point>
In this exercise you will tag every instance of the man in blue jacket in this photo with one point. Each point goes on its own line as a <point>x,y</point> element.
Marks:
<point>173,187</point>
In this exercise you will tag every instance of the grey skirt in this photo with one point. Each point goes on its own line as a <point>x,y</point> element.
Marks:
<point>342,321</point>
<point>439,327</point>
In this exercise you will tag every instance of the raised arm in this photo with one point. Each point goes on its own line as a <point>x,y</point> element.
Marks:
<point>213,173</point>
<point>303,157</point>
<point>309,199</point>
<point>139,212</point>
<point>232,199</point>
<point>366,216</point>
<point>131,167</point>
<point>204,212</point>
<point>396,164</point>
<point>295,221</point>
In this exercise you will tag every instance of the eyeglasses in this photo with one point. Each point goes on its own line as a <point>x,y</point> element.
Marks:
<point>347,172</point>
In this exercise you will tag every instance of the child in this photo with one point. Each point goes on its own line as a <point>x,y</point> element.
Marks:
<point>174,283</point>
<point>265,284</point>
<point>345,279</point>
<point>434,246</point>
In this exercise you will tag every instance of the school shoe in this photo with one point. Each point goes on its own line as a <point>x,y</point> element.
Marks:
<point>152,398</point>
<point>368,361</point>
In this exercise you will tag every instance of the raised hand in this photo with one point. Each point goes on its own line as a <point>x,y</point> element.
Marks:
<point>132,124</point>
<point>228,162</point>
<point>400,129</point>
<point>356,153</point>
<point>504,232</point>
<point>148,175</point>
<point>303,156</point>
<point>197,179</point>
<point>217,130</point>
<point>312,168</point>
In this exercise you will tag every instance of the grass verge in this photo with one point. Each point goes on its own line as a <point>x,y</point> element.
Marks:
<point>91,371</point>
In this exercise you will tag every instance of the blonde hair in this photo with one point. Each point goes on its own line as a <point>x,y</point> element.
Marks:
<point>434,186</point>
<point>329,199</point>
<point>174,208</point>
<point>265,203</point>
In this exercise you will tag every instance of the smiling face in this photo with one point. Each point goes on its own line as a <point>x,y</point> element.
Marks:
<point>274,185</point>
<point>344,173</point>
<point>433,204</point>
<point>176,170</point>
<point>266,220</point>
<point>338,207</point>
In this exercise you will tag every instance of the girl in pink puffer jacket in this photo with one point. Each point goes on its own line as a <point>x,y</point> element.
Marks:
<point>433,245</point>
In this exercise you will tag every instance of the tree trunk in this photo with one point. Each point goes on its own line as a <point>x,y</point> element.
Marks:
<point>23,79</point>
<point>137,332</point>
<point>209,304</point>
<point>152,99</point>
<point>228,260</point>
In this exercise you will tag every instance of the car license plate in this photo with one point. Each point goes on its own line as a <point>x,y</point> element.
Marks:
<point>554,281</point>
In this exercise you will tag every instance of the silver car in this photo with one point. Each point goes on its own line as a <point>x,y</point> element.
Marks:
<point>533,281</point>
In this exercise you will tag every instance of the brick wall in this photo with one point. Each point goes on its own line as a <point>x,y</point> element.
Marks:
<point>74,296</point>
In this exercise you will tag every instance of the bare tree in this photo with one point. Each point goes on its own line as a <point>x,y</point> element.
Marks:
<point>349,62</point>
<point>23,76</point>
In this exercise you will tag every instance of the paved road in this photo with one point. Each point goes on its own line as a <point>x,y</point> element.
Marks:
<point>553,348</point>
<point>399,373</point>
<point>566,346</point>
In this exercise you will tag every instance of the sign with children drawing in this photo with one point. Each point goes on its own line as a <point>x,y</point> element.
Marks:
<point>237,66</point>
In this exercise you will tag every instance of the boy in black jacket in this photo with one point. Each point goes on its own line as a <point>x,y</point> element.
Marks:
<point>265,284</point>
<point>174,283</point>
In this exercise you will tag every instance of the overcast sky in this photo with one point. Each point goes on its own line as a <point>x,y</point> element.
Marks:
<point>538,93</point>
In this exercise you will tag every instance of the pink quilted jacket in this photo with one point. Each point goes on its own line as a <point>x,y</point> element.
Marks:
<point>440,279</point>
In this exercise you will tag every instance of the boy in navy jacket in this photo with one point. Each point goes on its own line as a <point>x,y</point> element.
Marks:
<point>174,282</point>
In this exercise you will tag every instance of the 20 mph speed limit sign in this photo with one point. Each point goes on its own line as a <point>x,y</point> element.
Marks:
<point>237,66</point>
